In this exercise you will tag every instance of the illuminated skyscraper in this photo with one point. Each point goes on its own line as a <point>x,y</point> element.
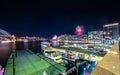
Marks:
<point>111,31</point>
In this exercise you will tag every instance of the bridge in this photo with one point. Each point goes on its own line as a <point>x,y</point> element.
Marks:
<point>4,34</point>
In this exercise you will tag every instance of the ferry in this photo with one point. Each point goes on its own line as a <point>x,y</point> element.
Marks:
<point>57,58</point>
<point>44,44</point>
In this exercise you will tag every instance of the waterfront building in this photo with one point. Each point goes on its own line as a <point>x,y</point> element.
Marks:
<point>111,31</point>
<point>95,36</point>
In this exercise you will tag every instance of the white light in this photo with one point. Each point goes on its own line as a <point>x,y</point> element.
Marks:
<point>114,24</point>
<point>5,41</point>
<point>84,69</point>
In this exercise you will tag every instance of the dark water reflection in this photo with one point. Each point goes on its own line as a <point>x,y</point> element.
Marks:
<point>7,48</point>
<point>5,51</point>
<point>34,46</point>
<point>31,45</point>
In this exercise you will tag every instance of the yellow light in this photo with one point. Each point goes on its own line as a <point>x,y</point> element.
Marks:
<point>114,24</point>
<point>104,33</point>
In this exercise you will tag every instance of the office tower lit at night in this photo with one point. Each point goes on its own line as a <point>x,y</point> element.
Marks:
<point>111,31</point>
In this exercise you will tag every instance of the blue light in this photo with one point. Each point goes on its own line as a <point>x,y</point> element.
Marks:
<point>84,69</point>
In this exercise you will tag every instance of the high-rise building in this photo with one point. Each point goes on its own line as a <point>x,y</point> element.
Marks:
<point>111,31</point>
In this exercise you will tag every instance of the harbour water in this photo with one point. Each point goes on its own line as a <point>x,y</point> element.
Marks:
<point>5,51</point>
<point>7,48</point>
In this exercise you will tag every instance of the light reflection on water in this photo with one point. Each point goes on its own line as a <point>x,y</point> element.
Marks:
<point>7,48</point>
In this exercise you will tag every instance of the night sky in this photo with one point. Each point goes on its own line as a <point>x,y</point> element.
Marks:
<point>49,18</point>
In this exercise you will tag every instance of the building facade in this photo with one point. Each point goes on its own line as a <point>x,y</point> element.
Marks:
<point>111,31</point>
<point>95,36</point>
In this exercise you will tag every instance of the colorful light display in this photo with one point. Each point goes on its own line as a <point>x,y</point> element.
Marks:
<point>79,30</point>
<point>55,41</point>
<point>95,36</point>
<point>55,37</point>
<point>108,41</point>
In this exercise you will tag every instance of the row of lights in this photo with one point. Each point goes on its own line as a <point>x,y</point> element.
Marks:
<point>114,24</point>
<point>107,33</point>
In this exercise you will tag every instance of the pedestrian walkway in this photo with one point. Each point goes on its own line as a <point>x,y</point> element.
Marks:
<point>110,65</point>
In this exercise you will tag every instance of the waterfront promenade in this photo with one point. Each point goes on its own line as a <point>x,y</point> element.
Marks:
<point>110,65</point>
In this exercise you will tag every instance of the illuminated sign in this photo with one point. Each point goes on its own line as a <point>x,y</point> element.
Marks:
<point>108,41</point>
<point>95,35</point>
